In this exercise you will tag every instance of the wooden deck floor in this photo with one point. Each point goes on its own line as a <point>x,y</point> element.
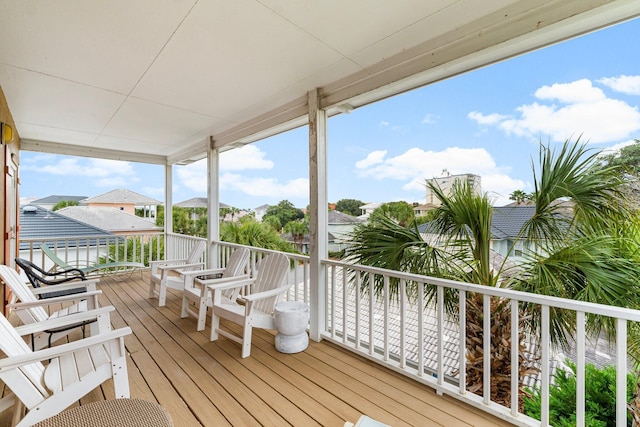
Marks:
<point>207,383</point>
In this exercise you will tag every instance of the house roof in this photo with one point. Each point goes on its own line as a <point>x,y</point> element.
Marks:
<point>111,219</point>
<point>56,199</point>
<point>506,222</point>
<point>124,197</point>
<point>148,82</point>
<point>336,217</point>
<point>40,223</point>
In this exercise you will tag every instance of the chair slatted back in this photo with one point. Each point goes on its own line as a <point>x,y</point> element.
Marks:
<point>21,290</point>
<point>271,273</point>
<point>196,252</point>
<point>237,263</point>
<point>27,381</point>
<point>59,262</point>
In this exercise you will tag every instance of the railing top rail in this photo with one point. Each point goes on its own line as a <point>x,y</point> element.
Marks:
<point>580,306</point>
<point>186,237</point>
<point>289,255</point>
<point>92,236</point>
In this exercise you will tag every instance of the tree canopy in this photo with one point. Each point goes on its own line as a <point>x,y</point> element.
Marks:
<point>284,212</point>
<point>64,203</point>
<point>349,206</point>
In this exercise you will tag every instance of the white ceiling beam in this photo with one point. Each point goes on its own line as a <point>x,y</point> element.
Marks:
<point>100,153</point>
<point>189,154</point>
<point>496,37</point>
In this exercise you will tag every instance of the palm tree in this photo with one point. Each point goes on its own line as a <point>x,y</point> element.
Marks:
<point>584,252</point>
<point>298,230</point>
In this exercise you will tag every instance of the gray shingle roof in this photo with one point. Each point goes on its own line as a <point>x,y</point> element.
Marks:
<point>336,217</point>
<point>198,202</point>
<point>57,198</point>
<point>111,219</point>
<point>123,196</point>
<point>40,223</point>
<point>506,222</point>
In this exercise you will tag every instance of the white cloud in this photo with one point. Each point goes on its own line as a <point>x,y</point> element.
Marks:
<point>583,110</point>
<point>629,85</point>
<point>374,158</point>
<point>430,119</point>
<point>489,119</point>
<point>93,168</point>
<point>384,123</point>
<point>266,187</point>
<point>243,158</point>
<point>416,165</point>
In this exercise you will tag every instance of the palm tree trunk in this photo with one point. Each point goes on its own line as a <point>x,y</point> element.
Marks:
<point>634,406</point>
<point>500,349</point>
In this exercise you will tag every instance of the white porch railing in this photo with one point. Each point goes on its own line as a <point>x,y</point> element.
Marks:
<point>416,340</point>
<point>408,336</point>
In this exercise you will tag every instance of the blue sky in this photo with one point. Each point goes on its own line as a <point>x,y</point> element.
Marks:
<point>489,122</point>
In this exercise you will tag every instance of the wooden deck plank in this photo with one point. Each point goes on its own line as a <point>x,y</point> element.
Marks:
<point>207,383</point>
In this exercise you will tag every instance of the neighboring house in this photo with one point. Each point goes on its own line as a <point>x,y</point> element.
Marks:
<point>339,226</point>
<point>421,210</point>
<point>506,223</point>
<point>50,201</point>
<point>113,220</point>
<point>260,211</point>
<point>124,200</point>
<point>39,225</point>
<point>446,181</point>
<point>368,210</point>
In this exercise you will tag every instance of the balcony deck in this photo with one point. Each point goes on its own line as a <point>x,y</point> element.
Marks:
<point>207,383</point>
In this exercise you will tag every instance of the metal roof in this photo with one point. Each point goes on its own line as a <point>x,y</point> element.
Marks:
<point>122,196</point>
<point>40,223</point>
<point>111,219</point>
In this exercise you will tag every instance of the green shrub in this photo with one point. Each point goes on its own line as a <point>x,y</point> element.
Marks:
<point>600,392</point>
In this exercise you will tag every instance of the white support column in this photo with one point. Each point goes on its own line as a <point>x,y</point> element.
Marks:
<point>213,211</point>
<point>319,213</point>
<point>168,210</point>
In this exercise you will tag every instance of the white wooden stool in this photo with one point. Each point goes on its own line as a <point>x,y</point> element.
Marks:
<point>291,321</point>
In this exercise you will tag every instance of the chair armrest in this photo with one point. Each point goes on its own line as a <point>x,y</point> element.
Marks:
<point>89,285</point>
<point>180,266</point>
<point>168,262</point>
<point>62,321</point>
<point>192,273</point>
<point>267,294</point>
<point>15,362</point>
<point>207,284</point>
<point>232,283</point>
<point>49,301</point>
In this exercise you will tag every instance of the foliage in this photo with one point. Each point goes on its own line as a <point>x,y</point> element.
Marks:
<point>63,204</point>
<point>586,247</point>
<point>600,389</point>
<point>519,196</point>
<point>284,211</point>
<point>401,212</point>
<point>253,233</point>
<point>297,229</point>
<point>349,206</point>
<point>628,159</point>
<point>182,222</point>
<point>135,250</point>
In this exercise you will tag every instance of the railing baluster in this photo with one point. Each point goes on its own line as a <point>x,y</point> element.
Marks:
<point>621,372</point>
<point>440,328</point>
<point>386,317</point>
<point>345,330</point>
<point>462,344</point>
<point>515,351</point>
<point>580,369</point>
<point>357,310</point>
<point>403,323</point>
<point>545,368</point>
<point>371,310</point>
<point>486,346</point>
<point>420,310</point>
<point>333,301</point>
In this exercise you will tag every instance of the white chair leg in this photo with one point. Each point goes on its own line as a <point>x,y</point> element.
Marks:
<point>185,304</point>
<point>152,289</point>
<point>215,324</point>
<point>246,341</point>
<point>162,295</point>
<point>202,315</point>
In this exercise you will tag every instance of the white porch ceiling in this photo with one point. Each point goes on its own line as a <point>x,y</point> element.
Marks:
<point>152,81</point>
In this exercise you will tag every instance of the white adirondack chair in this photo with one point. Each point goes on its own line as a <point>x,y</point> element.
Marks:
<point>257,308</point>
<point>196,290</point>
<point>74,369</point>
<point>30,309</point>
<point>166,274</point>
